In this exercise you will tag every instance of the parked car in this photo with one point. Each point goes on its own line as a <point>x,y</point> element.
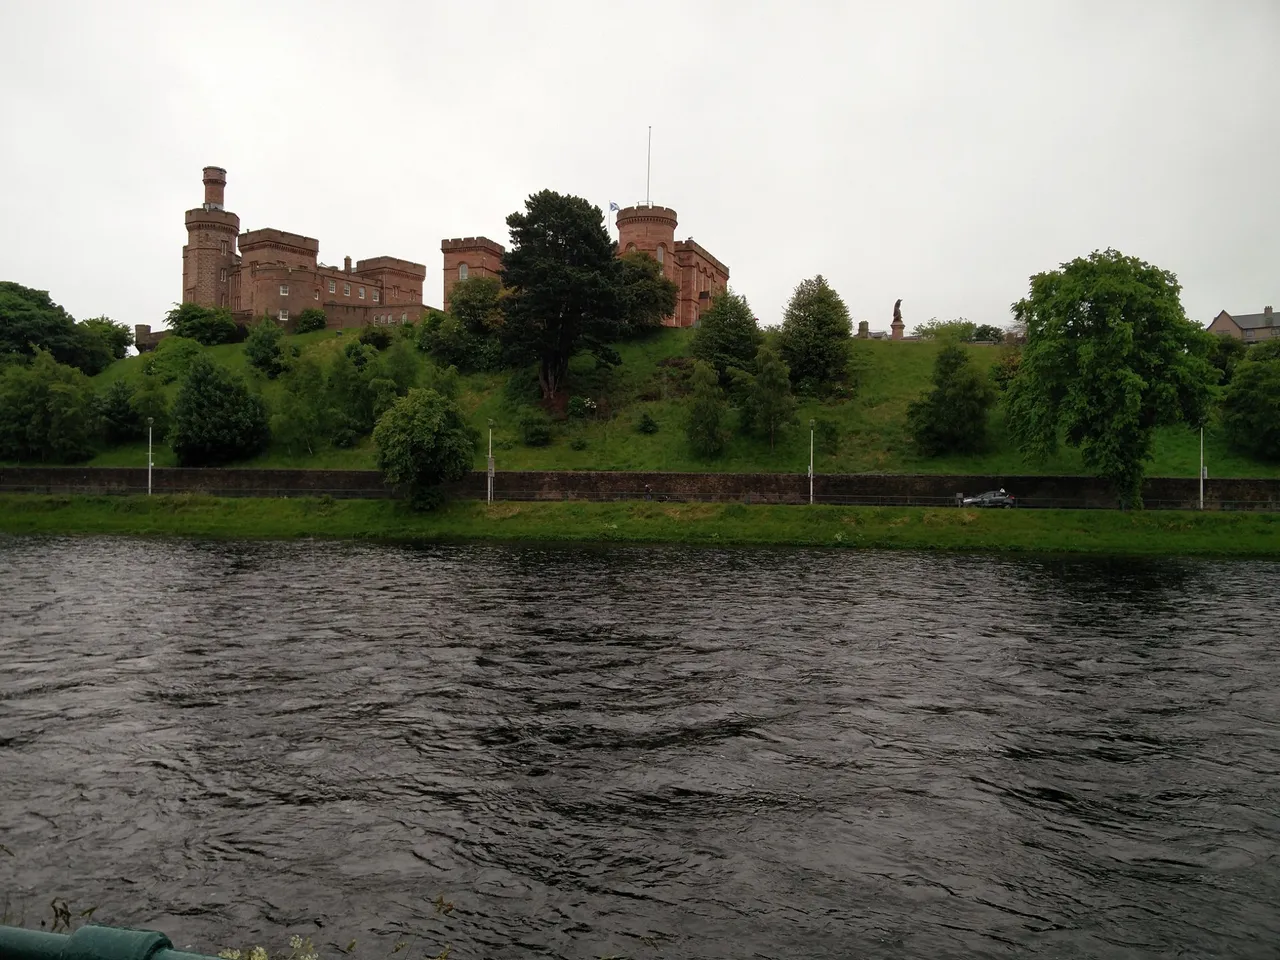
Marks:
<point>992,498</point>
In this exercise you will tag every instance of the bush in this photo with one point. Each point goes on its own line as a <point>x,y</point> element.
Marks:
<point>952,417</point>
<point>262,348</point>
<point>171,359</point>
<point>377,337</point>
<point>1251,406</point>
<point>535,431</point>
<point>423,442</point>
<point>580,407</point>
<point>205,325</point>
<point>47,412</point>
<point>309,320</point>
<point>578,443</point>
<point>647,424</point>
<point>117,416</point>
<point>707,424</point>
<point>215,418</point>
<point>815,337</point>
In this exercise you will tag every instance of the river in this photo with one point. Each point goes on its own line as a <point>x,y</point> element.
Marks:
<point>642,752</point>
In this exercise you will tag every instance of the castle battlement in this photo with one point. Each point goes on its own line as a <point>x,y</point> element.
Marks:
<point>472,243</point>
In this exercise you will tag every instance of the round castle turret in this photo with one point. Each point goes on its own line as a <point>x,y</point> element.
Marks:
<point>649,229</point>
<point>208,259</point>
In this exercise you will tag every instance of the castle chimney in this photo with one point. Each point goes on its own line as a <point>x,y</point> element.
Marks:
<point>1267,311</point>
<point>215,185</point>
<point>346,264</point>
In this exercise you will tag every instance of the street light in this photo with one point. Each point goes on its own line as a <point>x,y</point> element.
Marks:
<point>150,421</point>
<point>811,461</point>
<point>489,488</point>
<point>1202,466</point>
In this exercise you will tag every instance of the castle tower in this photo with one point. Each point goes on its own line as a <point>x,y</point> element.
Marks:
<point>209,256</point>
<point>652,230</point>
<point>468,257</point>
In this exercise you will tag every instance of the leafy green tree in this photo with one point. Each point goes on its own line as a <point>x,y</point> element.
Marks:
<point>952,417</point>
<point>960,330</point>
<point>445,338</point>
<point>728,334</point>
<point>1251,406</point>
<point>988,332</point>
<point>149,400</point>
<point>1005,368</point>
<point>262,348</point>
<point>309,320</point>
<point>767,401</point>
<point>1110,356</point>
<point>300,423</point>
<point>707,425</point>
<point>1227,352</point>
<point>477,304</point>
<point>30,319</point>
<point>647,295</point>
<point>565,287</point>
<point>400,365</point>
<point>353,398</point>
<point>423,442</point>
<point>815,336</point>
<point>117,417</point>
<point>47,411</point>
<point>170,359</point>
<point>205,325</point>
<point>117,336</point>
<point>215,418</point>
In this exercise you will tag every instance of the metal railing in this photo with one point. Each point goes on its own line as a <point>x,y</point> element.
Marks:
<point>90,942</point>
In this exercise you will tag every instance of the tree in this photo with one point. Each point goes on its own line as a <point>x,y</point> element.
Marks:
<point>117,416</point>
<point>29,319</point>
<point>47,411</point>
<point>647,295</point>
<point>400,365</point>
<point>300,423</point>
<point>310,319</point>
<point>767,401</point>
<point>352,396</point>
<point>149,401</point>
<point>423,441</point>
<point>262,348</point>
<point>988,332</point>
<point>952,417</point>
<point>117,337</point>
<point>565,287</point>
<point>707,423</point>
<point>728,334</point>
<point>205,325</point>
<point>959,330</point>
<point>1110,356</point>
<point>477,304</point>
<point>815,336</point>
<point>1227,352</point>
<point>215,418</point>
<point>1251,406</point>
<point>171,358</point>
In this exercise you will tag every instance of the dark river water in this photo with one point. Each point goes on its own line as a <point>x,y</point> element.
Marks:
<point>642,752</point>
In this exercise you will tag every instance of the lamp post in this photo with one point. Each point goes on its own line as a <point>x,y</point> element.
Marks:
<point>1202,466</point>
<point>150,421</point>
<point>489,489</point>
<point>811,462</point>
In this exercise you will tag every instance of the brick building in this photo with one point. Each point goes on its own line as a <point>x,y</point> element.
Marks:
<point>1249,327</point>
<point>278,274</point>
<point>645,228</point>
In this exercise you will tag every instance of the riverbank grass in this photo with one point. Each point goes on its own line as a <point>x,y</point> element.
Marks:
<point>916,528</point>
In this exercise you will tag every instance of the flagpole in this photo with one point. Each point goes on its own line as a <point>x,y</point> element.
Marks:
<point>648,167</point>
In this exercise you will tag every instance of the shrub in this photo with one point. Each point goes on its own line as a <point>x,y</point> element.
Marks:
<point>535,431</point>
<point>578,443</point>
<point>309,320</point>
<point>422,443</point>
<point>647,424</point>
<point>1251,407</point>
<point>47,412</point>
<point>215,418</point>
<point>171,358</point>
<point>952,417</point>
<point>205,325</point>
<point>377,337</point>
<point>581,407</point>
<point>118,419</point>
<point>262,348</point>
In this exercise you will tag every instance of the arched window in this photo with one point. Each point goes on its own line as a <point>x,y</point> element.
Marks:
<point>462,271</point>
<point>662,252</point>
<point>631,248</point>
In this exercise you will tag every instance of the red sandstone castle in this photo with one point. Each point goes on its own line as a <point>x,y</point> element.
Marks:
<point>277,274</point>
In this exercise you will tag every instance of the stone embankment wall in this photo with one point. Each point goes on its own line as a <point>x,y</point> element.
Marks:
<point>886,489</point>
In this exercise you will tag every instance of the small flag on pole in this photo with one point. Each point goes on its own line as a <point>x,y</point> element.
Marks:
<point>613,206</point>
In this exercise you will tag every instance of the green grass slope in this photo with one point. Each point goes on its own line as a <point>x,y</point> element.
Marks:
<point>871,429</point>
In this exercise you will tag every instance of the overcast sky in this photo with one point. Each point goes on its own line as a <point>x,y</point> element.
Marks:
<point>939,151</point>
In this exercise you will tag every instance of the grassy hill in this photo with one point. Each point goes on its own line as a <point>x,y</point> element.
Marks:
<point>869,432</point>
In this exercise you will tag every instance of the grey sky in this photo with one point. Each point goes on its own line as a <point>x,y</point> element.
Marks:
<point>941,152</point>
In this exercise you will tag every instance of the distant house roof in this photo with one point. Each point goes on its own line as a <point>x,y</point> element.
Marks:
<point>1252,321</point>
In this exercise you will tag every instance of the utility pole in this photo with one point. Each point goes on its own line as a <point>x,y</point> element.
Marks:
<point>1202,466</point>
<point>150,421</point>
<point>648,168</point>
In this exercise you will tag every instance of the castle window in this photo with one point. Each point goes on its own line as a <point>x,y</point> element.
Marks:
<point>333,286</point>
<point>284,316</point>
<point>346,289</point>
<point>375,296</point>
<point>662,251</point>
<point>224,248</point>
<point>222,275</point>
<point>631,248</point>
<point>462,271</point>
<point>362,293</point>
<point>317,293</point>
<point>284,289</point>
<point>404,317</point>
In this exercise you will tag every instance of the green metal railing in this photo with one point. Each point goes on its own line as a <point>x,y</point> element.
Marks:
<point>90,942</point>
